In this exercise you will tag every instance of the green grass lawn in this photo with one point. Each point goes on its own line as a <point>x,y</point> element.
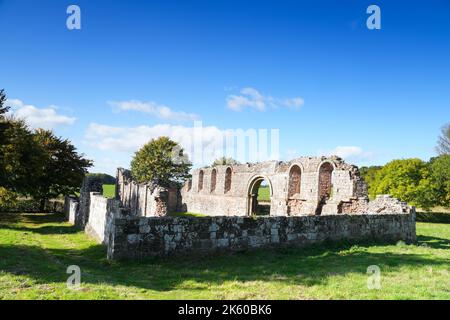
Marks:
<point>264,193</point>
<point>109,191</point>
<point>35,251</point>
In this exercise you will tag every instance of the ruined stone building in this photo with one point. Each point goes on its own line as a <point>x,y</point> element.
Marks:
<point>310,200</point>
<point>303,186</point>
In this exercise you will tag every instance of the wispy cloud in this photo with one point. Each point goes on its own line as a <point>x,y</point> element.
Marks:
<point>127,140</point>
<point>152,108</point>
<point>46,118</point>
<point>251,98</point>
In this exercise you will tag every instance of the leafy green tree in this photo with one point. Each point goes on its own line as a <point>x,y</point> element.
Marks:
<point>21,158</point>
<point>160,159</point>
<point>368,174</point>
<point>62,168</point>
<point>406,179</point>
<point>443,146</point>
<point>102,178</point>
<point>440,179</point>
<point>3,123</point>
<point>3,108</point>
<point>223,161</point>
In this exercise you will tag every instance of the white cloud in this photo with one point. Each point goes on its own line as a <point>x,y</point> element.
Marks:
<point>46,118</point>
<point>252,98</point>
<point>349,153</point>
<point>201,144</point>
<point>154,109</point>
<point>130,139</point>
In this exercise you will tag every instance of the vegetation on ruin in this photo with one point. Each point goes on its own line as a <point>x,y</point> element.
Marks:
<point>36,250</point>
<point>162,160</point>
<point>224,161</point>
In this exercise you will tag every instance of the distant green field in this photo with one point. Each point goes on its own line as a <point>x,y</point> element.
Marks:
<point>109,190</point>
<point>264,193</point>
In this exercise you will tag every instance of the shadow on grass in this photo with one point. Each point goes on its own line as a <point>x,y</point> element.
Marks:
<point>307,266</point>
<point>433,217</point>
<point>433,242</point>
<point>298,266</point>
<point>11,222</point>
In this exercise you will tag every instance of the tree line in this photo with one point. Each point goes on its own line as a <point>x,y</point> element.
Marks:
<point>425,184</point>
<point>35,162</point>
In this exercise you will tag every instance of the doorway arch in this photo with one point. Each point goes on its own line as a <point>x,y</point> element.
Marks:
<point>259,202</point>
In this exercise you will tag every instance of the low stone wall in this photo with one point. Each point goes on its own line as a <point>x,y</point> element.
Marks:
<point>133,237</point>
<point>71,208</point>
<point>101,213</point>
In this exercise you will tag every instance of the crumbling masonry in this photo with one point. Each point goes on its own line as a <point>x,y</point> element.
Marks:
<point>303,186</point>
<point>310,200</point>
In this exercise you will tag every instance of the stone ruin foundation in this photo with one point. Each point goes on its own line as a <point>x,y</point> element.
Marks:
<point>311,199</point>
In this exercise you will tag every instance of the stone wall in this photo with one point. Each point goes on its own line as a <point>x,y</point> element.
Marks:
<point>90,184</point>
<point>70,208</point>
<point>303,186</point>
<point>135,238</point>
<point>101,213</point>
<point>146,199</point>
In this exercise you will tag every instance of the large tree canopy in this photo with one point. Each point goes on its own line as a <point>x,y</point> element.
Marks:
<point>62,168</point>
<point>21,158</point>
<point>424,184</point>
<point>160,160</point>
<point>36,163</point>
<point>3,123</point>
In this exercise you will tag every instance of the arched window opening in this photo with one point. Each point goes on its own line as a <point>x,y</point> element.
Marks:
<point>200,180</point>
<point>325,181</point>
<point>295,177</point>
<point>325,185</point>
<point>213,180</point>
<point>228,180</point>
<point>189,185</point>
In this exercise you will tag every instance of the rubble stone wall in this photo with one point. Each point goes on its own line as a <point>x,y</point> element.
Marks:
<point>147,199</point>
<point>297,187</point>
<point>135,238</point>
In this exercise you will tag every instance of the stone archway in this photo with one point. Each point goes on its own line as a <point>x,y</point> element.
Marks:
<point>258,203</point>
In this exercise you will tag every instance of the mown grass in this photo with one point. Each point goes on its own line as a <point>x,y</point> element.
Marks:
<point>264,193</point>
<point>35,251</point>
<point>109,191</point>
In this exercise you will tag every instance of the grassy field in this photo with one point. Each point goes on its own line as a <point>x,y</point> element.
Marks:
<point>35,251</point>
<point>109,191</point>
<point>264,193</point>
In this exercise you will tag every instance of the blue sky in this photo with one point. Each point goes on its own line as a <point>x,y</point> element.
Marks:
<point>311,69</point>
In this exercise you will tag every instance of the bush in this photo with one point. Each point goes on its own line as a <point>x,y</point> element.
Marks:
<point>8,198</point>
